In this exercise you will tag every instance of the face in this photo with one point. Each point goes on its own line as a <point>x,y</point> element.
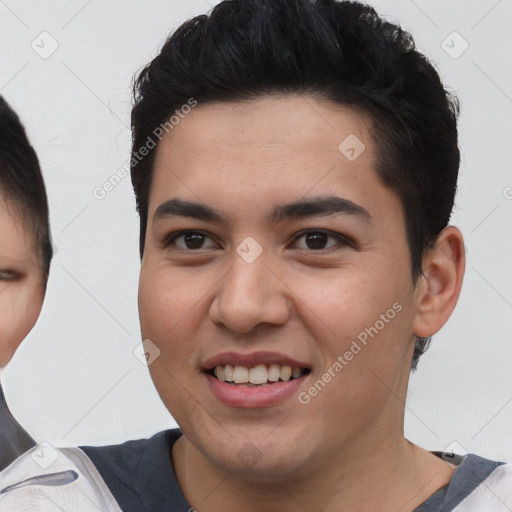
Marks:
<point>270,251</point>
<point>21,282</point>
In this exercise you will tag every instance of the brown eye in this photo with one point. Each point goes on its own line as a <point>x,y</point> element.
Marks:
<point>316,240</point>
<point>188,240</point>
<point>319,240</point>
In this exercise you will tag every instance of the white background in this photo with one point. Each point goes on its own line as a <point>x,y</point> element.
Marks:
<point>75,379</point>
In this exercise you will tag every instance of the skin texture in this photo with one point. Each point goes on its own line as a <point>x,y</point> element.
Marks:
<point>346,446</point>
<point>21,282</point>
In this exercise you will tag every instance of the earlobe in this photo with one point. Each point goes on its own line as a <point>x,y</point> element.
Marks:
<point>438,289</point>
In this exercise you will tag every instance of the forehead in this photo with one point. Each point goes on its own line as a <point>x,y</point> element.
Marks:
<point>269,149</point>
<point>274,124</point>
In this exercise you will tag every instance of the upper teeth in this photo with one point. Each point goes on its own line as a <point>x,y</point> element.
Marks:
<point>260,374</point>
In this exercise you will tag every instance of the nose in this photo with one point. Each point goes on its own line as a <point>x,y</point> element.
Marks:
<point>248,295</point>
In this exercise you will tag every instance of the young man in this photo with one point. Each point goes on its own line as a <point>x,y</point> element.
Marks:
<point>296,260</point>
<point>25,255</point>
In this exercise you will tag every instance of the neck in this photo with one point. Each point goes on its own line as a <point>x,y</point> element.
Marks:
<point>374,472</point>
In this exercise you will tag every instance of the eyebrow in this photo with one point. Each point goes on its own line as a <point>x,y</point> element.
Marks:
<point>315,206</point>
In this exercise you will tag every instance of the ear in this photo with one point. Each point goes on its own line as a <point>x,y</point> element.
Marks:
<point>437,291</point>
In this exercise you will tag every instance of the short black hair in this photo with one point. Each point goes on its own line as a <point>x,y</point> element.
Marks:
<point>22,185</point>
<point>334,50</point>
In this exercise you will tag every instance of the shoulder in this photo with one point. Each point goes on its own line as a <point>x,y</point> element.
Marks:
<point>134,476</point>
<point>477,484</point>
<point>140,473</point>
<point>494,491</point>
<point>53,479</point>
<point>130,457</point>
<point>14,440</point>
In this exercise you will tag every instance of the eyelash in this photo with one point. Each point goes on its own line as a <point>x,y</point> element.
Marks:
<point>342,240</point>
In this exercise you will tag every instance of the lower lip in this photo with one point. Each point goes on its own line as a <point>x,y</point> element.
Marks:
<point>244,396</point>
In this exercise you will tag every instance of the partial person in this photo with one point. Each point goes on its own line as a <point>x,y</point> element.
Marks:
<point>25,256</point>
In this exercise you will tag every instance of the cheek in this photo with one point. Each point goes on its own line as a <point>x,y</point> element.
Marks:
<point>171,310</point>
<point>169,302</point>
<point>361,316</point>
<point>346,301</point>
<point>19,309</point>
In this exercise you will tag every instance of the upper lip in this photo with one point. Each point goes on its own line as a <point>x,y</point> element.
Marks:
<point>251,360</point>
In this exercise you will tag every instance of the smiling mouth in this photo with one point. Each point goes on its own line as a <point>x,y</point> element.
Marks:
<point>257,376</point>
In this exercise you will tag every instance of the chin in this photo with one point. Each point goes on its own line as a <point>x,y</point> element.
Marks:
<point>257,452</point>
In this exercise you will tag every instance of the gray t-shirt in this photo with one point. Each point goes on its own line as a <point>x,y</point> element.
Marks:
<point>141,477</point>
